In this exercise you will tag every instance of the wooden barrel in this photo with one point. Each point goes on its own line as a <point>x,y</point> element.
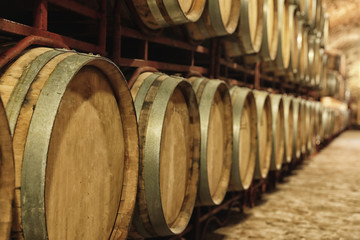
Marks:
<point>304,60</point>
<point>303,7</point>
<point>247,38</point>
<point>7,176</point>
<point>289,128</point>
<point>332,83</point>
<point>295,46</point>
<point>319,127</point>
<point>159,14</point>
<point>314,57</point>
<point>298,127</point>
<point>281,62</point>
<point>319,14</point>
<point>310,123</point>
<point>278,131</point>
<point>264,133</point>
<point>169,133</point>
<point>310,76</point>
<point>325,31</point>
<point>220,17</point>
<point>75,145</point>
<point>323,72</point>
<point>311,13</point>
<point>270,39</point>
<point>216,139</point>
<point>245,138</point>
<point>303,120</point>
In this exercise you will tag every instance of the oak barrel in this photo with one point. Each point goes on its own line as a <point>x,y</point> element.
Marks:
<point>302,120</point>
<point>7,176</point>
<point>244,135</point>
<point>319,127</point>
<point>304,60</point>
<point>269,43</point>
<point>169,134</point>
<point>264,133</point>
<point>159,14</point>
<point>295,46</point>
<point>289,128</point>
<point>311,13</point>
<point>298,127</point>
<point>75,145</point>
<point>278,132</point>
<point>282,60</point>
<point>247,38</point>
<point>216,139</point>
<point>220,17</point>
<point>314,61</point>
<point>310,125</point>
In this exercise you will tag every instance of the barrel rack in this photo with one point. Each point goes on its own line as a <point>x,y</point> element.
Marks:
<point>205,59</point>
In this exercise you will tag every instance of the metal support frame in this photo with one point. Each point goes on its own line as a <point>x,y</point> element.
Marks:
<point>40,24</point>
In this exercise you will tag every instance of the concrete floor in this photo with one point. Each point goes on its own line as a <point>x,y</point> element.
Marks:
<point>321,200</point>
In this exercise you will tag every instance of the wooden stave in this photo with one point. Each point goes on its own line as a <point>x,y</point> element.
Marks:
<point>289,128</point>
<point>240,43</point>
<point>205,90</point>
<point>295,43</point>
<point>7,176</point>
<point>298,119</point>
<point>239,96</point>
<point>263,101</point>
<point>34,226</point>
<point>277,107</point>
<point>168,13</point>
<point>150,221</point>
<point>211,24</point>
<point>281,62</point>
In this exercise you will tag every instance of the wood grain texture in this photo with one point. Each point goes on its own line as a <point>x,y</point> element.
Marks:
<point>85,167</point>
<point>7,176</point>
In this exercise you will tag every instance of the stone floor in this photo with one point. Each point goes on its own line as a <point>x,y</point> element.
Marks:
<point>321,200</point>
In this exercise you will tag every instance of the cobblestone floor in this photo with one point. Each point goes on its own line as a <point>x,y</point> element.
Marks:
<point>321,200</point>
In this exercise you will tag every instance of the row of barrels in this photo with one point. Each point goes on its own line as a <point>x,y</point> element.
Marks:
<point>288,36</point>
<point>84,157</point>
